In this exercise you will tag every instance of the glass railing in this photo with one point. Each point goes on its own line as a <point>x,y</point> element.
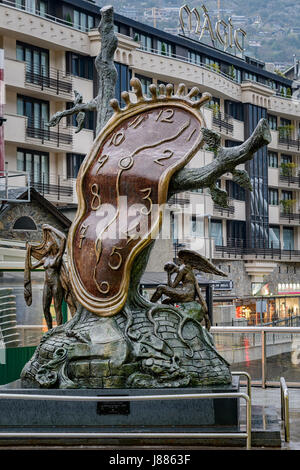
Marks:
<point>43,14</point>
<point>266,353</point>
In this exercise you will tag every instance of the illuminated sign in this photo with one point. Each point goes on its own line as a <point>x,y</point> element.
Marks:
<point>223,33</point>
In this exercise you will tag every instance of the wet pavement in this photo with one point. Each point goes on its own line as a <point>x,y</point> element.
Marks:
<point>271,396</point>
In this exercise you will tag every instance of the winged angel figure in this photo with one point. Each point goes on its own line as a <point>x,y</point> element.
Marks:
<point>185,288</point>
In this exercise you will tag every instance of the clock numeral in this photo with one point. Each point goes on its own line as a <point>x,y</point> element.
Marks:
<point>96,200</point>
<point>147,198</point>
<point>117,139</point>
<point>102,160</point>
<point>166,115</point>
<point>83,230</point>
<point>136,122</point>
<point>168,153</point>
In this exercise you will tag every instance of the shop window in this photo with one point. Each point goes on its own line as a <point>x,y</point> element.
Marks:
<point>24,223</point>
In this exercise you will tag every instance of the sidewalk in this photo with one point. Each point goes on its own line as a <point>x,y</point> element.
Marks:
<point>271,396</point>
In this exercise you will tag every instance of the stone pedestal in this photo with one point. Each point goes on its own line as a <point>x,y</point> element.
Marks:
<point>159,415</point>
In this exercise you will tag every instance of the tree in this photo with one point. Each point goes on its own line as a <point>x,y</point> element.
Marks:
<point>186,179</point>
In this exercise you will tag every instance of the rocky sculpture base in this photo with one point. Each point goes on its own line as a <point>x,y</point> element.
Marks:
<point>158,347</point>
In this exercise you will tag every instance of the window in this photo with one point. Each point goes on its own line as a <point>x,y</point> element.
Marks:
<point>235,191</point>
<point>89,121</point>
<point>234,109</point>
<point>217,232</point>
<point>286,159</point>
<point>273,159</point>
<point>37,112</point>
<point>146,82</point>
<point>164,48</point>
<point>83,21</point>
<point>145,40</point>
<point>40,7</point>
<point>272,120</point>
<point>35,163</point>
<point>194,58</point>
<point>80,65</point>
<point>37,61</point>
<point>250,76</point>
<point>274,237</point>
<point>122,81</point>
<point>286,195</point>
<point>74,161</point>
<point>197,227</point>
<point>273,197</point>
<point>24,223</point>
<point>288,238</point>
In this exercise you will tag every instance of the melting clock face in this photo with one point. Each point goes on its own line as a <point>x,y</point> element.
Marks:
<point>121,189</point>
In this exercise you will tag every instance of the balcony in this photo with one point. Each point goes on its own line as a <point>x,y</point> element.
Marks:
<point>53,187</point>
<point>48,81</point>
<point>236,248</point>
<point>20,130</point>
<point>224,211</point>
<point>290,218</point>
<point>48,137</point>
<point>175,67</point>
<point>289,143</point>
<point>223,122</point>
<point>47,29</point>
<point>289,181</point>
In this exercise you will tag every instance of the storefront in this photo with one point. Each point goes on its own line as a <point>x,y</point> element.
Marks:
<point>283,310</point>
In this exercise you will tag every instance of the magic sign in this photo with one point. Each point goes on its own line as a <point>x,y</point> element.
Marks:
<point>223,33</point>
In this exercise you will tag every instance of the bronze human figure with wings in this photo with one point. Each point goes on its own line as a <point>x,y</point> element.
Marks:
<point>185,288</point>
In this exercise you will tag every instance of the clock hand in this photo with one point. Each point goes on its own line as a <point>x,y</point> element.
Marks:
<point>163,141</point>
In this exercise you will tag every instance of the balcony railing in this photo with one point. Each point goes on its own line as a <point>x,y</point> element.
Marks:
<point>52,185</point>
<point>44,134</point>
<point>290,179</point>
<point>237,248</point>
<point>48,78</point>
<point>290,217</point>
<point>224,210</point>
<point>223,122</point>
<point>34,11</point>
<point>289,143</point>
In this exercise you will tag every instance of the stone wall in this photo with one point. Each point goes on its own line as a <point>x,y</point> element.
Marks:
<point>36,212</point>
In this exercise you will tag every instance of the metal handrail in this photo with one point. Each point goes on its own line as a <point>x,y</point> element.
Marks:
<point>285,415</point>
<point>186,435</point>
<point>248,378</point>
<point>262,330</point>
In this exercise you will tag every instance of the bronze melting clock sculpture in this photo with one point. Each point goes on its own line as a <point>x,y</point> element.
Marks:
<point>117,338</point>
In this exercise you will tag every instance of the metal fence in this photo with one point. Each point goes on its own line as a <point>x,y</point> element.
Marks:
<point>263,351</point>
